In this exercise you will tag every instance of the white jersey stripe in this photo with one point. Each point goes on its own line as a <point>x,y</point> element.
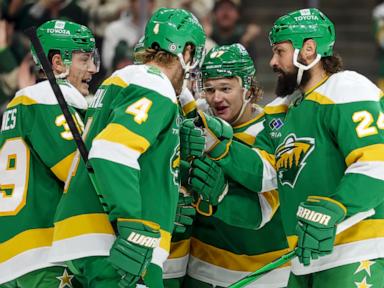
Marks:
<point>28,261</point>
<point>115,152</point>
<point>175,267</point>
<point>269,174</point>
<point>342,255</point>
<point>374,169</point>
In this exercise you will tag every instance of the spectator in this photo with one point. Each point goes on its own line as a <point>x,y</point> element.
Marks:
<point>37,12</point>
<point>128,28</point>
<point>123,56</point>
<point>12,76</point>
<point>227,29</point>
<point>101,13</point>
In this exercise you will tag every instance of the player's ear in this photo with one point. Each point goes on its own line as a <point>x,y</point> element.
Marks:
<point>308,51</point>
<point>188,53</point>
<point>57,64</point>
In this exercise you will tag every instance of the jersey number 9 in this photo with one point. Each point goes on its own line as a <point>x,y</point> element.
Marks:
<point>14,173</point>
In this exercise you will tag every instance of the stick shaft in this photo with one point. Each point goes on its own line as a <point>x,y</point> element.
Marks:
<point>349,222</point>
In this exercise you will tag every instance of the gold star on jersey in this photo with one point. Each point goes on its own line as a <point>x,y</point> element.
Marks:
<point>65,280</point>
<point>363,284</point>
<point>365,265</point>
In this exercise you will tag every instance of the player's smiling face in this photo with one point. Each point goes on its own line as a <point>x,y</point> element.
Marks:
<point>81,71</point>
<point>224,96</point>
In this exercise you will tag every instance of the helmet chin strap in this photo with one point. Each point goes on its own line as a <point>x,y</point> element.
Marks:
<point>243,106</point>
<point>301,66</point>
<point>187,68</point>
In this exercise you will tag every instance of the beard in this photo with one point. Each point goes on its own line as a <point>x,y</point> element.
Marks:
<point>287,81</point>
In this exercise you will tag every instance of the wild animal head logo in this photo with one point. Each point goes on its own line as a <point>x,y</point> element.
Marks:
<point>291,158</point>
<point>175,166</point>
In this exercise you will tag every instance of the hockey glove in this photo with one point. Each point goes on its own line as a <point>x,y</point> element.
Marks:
<point>192,140</point>
<point>153,277</point>
<point>184,213</point>
<point>185,166</point>
<point>218,135</point>
<point>316,227</point>
<point>132,250</point>
<point>208,181</point>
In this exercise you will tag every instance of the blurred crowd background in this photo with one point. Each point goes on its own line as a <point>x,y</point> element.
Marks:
<point>118,25</point>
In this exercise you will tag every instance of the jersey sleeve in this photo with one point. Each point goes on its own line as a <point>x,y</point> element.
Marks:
<point>137,119</point>
<point>49,135</point>
<point>357,128</point>
<point>239,208</point>
<point>251,167</point>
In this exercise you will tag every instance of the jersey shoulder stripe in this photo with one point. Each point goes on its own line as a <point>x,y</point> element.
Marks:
<point>249,134</point>
<point>115,80</point>
<point>149,78</point>
<point>248,131</point>
<point>277,106</point>
<point>42,93</point>
<point>345,87</point>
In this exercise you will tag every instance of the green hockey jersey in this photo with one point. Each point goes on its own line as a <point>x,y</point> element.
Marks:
<point>241,237</point>
<point>176,264</point>
<point>331,143</point>
<point>36,151</point>
<point>133,138</point>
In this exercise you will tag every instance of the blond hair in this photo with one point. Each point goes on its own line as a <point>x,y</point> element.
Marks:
<point>160,57</point>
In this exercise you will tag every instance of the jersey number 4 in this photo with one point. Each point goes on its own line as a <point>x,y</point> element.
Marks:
<point>14,171</point>
<point>140,109</point>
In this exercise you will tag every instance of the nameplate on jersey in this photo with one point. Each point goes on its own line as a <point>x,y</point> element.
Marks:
<point>9,119</point>
<point>97,101</point>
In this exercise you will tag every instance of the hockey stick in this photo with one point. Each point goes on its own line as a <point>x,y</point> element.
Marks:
<point>32,35</point>
<point>290,255</point>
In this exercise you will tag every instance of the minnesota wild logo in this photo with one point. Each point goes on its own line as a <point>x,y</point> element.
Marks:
<point>291,156</point>
<point>174,165</point>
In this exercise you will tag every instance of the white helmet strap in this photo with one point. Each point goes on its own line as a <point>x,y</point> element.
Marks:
<point>301,66</point>
<point>243,106</point>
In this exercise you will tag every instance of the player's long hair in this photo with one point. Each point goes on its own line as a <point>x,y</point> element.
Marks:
<point>159,56</point>
<point>332,64</point>
<point>256,91</point>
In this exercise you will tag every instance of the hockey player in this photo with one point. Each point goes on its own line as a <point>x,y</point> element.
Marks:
<point>239,237</point>
<point>36,150</point>
<point>134,150</point>
<point>329,156</point>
